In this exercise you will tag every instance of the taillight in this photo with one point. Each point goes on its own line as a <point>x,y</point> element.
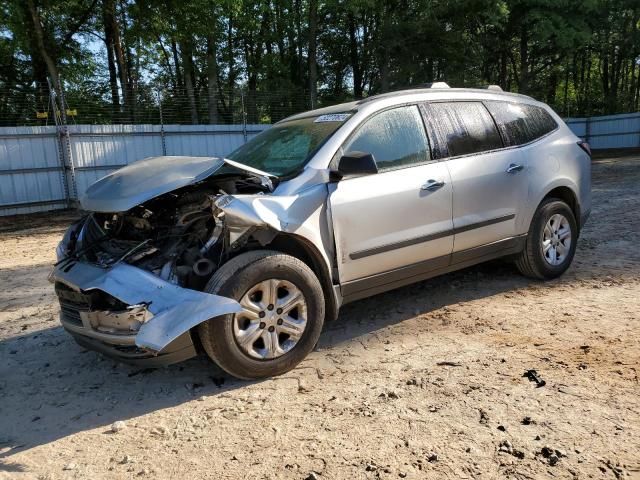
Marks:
<point>585,146</point>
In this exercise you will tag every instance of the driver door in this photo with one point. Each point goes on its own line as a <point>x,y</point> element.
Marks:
<point>396,223</point>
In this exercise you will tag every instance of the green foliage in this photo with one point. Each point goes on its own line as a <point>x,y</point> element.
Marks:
<point>581,56</point>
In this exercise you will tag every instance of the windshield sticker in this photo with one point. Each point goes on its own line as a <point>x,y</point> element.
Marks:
<point>332,117</point>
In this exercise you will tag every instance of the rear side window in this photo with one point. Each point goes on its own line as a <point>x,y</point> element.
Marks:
<point>519,123</point>
<point>461,128</point>
<point>396,138</point>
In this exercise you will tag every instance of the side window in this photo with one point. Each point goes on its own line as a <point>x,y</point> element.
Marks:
<point>539,121</point>
<point>396,138</point>
<point>462,128</point>
<point>520,123</point>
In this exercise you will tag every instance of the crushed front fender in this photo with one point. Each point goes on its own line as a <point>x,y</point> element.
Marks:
<point>175,309</point>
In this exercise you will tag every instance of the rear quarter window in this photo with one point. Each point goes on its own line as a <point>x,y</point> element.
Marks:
<point>461,128</point>
<point>520,123</point>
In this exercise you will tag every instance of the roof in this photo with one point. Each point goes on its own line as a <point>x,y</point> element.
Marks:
<point>413,91</point>
<point>351,106</point>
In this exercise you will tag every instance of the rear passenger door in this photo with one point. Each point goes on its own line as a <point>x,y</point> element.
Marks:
<point>490,183</point>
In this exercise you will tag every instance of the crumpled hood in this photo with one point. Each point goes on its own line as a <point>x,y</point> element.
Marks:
<point>146,179</point>
<point>149,178</point>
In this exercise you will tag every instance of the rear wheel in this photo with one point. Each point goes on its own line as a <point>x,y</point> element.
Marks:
<point>281,320</point>
<point>551,241</point>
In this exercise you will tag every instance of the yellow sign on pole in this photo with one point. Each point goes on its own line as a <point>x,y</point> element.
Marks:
<point>42,114</point>
<point>72,113</point>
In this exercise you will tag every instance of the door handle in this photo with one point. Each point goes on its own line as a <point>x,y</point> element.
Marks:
<point>514,167</point>
<point>432,185</point>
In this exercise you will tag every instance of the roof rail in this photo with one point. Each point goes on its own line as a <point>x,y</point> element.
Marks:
<point>497,88</point>
<point>434,85</point>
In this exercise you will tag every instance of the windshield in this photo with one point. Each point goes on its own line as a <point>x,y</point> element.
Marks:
<point>286,147</point>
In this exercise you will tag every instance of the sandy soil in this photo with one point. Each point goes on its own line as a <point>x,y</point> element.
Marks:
<point>423,382</point>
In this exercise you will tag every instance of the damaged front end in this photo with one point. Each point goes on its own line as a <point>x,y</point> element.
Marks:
<point>130,283</point>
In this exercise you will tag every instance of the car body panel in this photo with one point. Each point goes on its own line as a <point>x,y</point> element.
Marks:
<point>557,161</point>
<point>175,310</point>
<point>143,180</point>
<point>488,202</point>
<point>386,220</point>
<point>304,214</point>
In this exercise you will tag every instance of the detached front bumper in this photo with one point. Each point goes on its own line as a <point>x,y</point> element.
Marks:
<point>130,314</point>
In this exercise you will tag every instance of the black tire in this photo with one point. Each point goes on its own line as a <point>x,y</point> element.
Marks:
<point>532,262</point>
<point>233,280</point>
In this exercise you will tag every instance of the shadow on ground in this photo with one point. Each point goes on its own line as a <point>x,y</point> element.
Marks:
<point>82,390</point>
<point>51,388</point>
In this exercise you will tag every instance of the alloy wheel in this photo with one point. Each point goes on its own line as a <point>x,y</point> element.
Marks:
<point>272,321</point>
<point>556,239</point>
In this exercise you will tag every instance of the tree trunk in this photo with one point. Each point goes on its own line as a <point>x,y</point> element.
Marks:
<point>383,19</point>
<point>504,64</point>
<point>167,61</point>
<point>47,57</point>
<point>186,49</point>
<point>212,80</point>
<point>251,61</point>
<point>231,78</point>
<point>354,57</point>
<point>552,86</point>
<point>429,70</point>
<point>524,60</point>
<point>313,49</point>
<point>299,78</point>
<point>605,82</point>
<point>384,69</point>
<point>565,99</point>
<point>176,62</point>
<point>37,62</point>
<point>131,71</point>
<point>107,16</point>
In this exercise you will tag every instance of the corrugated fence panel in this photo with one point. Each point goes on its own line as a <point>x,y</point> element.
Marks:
<point>609,131</point>
<point>207,140</point>
<point>98,150</point>
<point>615,131</point>
<point>30,173</point>
<point>577,126</point>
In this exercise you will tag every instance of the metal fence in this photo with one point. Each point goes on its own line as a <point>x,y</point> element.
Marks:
<point>609,131</point>
<point>45,168</point>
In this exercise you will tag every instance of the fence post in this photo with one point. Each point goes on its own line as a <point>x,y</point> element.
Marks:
<point>64,144</point>
<point>162,139</point>
<point>244,116</point>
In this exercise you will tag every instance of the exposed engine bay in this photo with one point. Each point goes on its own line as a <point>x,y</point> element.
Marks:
<point>131,275</point>
<point>179,236</point>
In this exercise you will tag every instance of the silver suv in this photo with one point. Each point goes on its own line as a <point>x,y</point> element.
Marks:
<point>246,257</point>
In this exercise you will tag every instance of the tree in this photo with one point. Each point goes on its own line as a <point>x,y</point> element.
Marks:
<point>582,57</point>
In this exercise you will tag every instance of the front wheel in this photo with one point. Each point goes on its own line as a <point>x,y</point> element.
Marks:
<point>281,320</point>
<point>551,241</point>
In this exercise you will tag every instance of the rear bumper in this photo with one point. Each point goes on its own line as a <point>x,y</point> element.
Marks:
<point>130,314</point>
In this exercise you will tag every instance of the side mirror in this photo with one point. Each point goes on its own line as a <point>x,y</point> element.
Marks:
<point>357,163</point>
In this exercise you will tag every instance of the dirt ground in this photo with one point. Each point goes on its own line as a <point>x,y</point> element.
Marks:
<point>423,382</point>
